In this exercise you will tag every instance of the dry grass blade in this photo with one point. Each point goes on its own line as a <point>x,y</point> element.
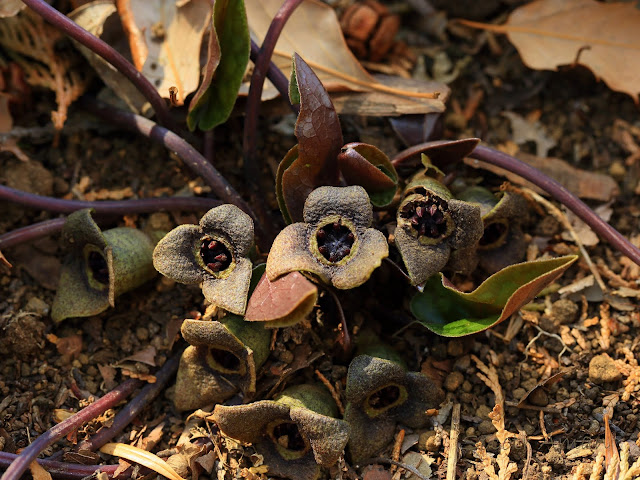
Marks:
<point>142,457</point>
<point>31,43</point>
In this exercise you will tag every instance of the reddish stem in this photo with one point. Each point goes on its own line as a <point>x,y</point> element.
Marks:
<point>31,232</point>
<point>29,454</point>
<point>69,27</point>
<point>262,61</point>
<point>62,469</point>
<point>135,406</point>
<point>561,194</point>
<point>106,207</point>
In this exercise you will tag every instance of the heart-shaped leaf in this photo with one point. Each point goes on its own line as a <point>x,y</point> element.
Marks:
<point>319,142</point>
<point>452,313</point>
<point>229,48</point>
<point>283,302</point>
<point>365,165</point>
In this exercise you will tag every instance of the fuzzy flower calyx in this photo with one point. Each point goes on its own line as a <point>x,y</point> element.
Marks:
<point>334,243</point>
<point>214,254</point>
<point>431,224</point>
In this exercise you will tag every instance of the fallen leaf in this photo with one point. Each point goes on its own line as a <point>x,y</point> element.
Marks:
<point>146,355</point>
<point>601,36</point>
<point>71,345</point>
<point>319,135</point>
<point>173,34</point>
<point>313,31</point>
<point>142,457</point>
<point>524,130</point>
<point>100,18</point>
<point>553,379</point>
<point>108,374</point>
<point>582,183</point>
<point>229,48</point>
<point>451,313</point>
<point>282,302</point>
<point>10,8</point>
<point>587,237</point>
<point>38,472</point>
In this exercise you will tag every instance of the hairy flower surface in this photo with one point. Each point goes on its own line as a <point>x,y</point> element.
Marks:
<point>432,224</point>
<point>221,360</point>
<point>296,433</point>
<point>212,254</point>
<point>334,243</point>
<point>379,394</point>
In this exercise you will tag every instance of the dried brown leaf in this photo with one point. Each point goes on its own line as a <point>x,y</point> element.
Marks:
<point>38,472</point>
<point>146,355</point>
<point>71,345</point>
<point>31,43</point>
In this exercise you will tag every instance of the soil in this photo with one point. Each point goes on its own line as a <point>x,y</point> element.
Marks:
<point>587,334</point>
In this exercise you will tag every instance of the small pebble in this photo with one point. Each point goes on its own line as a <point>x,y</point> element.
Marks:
<point>602,369</point>
<point>564,311</point>
<point>486,427</point>
<point>453,381</point>
<point>455,348</point>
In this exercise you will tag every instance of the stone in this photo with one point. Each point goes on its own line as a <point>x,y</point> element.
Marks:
<point>602,369</point>
<point>453,381</point>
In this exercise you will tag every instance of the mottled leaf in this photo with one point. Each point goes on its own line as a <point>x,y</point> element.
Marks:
<point>217,94</point>
<point>319,142</point>
<point>365,165</point>
<point>451,313</point>
<point>283,302</point>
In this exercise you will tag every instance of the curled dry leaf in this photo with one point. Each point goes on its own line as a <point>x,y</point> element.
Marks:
<point>142,457</point>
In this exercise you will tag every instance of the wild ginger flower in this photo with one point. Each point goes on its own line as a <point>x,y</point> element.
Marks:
<point>334,243</point>
<point>380,393</point>
<point>296,433</point>
<point>212,254</point>
<point>431,224</point>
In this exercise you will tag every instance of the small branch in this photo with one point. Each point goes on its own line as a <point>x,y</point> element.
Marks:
<point>62,469</point>
<point>262,61</point>
<point>69,27</point>
<point>107,207</point>
<point>133,408</point>
<point>346,337</point>
<point>562,195</point>
<point>452,460</point>
<point>29,454</point>
<point>31,232</point>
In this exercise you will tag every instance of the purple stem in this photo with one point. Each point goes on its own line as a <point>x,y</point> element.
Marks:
<point>561,194</point>
<point>62,469</point>
<point>262,62</point>
<point>133,408</point>
<point>175,143</point>
<point>276,76</point>
<point>31,232</point>
<point>69,27</point>
<point>29,454</point>
<point>121,207</point>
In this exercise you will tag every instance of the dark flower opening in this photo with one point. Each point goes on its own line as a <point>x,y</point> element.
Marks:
<point>335,241</point>
<point>98,267</point>
<point>287,435</point>
<point>427,216</point>
<point>494,234</point>
<point>225,359</point>
<point>384,398</point>
<point>215,255</point>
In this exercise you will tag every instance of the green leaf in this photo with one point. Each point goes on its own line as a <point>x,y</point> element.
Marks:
<point>365,165</point>
<point>229,49</point>
<point>452,313</point>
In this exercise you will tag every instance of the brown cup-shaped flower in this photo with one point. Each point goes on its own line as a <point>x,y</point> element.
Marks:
<point>212,254</point>
<point>335,243</point>
<point>222,360</point>
<point>502,243</point>
<point>296,433</point>
<point>380,393</point>
<point>430,225</point>
<point>99,266</point>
